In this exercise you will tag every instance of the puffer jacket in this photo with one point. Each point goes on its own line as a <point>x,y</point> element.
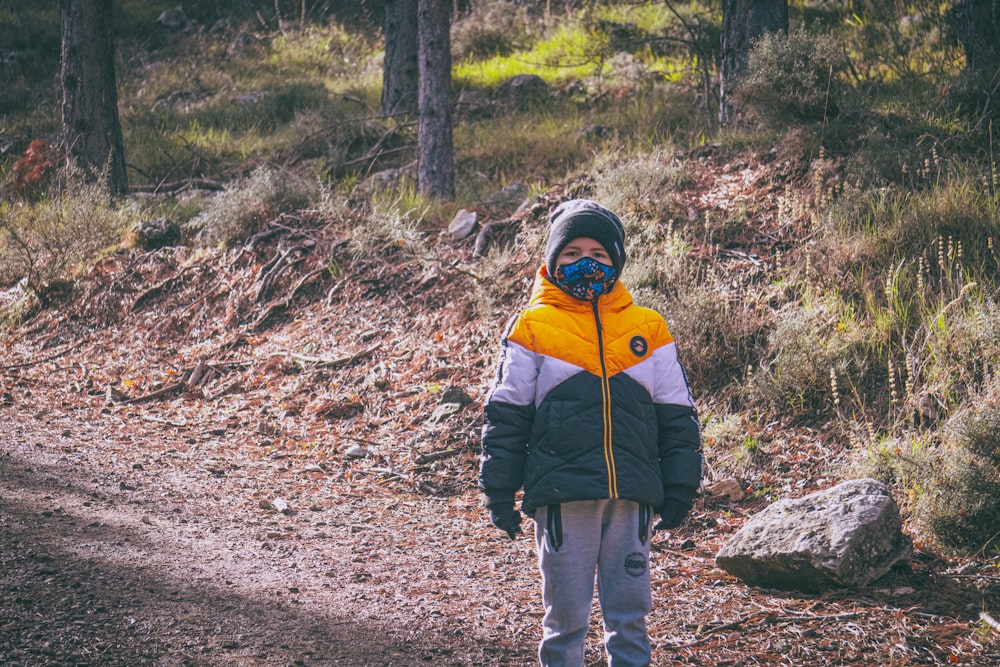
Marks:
<point>589,402</point>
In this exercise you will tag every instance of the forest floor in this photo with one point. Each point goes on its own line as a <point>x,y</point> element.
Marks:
<point>242,458</point>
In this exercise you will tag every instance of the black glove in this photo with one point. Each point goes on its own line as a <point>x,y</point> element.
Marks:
<point>506,518</point>
<point>672,514</point>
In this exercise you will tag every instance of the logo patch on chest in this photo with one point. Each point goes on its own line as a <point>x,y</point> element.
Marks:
<point>639,346</point>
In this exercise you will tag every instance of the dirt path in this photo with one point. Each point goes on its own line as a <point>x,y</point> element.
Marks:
<point>124,543</point>
<point>98,566</point>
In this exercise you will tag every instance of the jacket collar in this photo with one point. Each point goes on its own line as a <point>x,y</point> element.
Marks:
<point>545,292</point>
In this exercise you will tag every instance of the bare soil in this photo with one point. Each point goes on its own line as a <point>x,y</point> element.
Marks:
<point>219,459</point>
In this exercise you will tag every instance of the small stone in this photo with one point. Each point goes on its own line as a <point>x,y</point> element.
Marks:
<point>463,224</point>
<point>356,451</point>
<point>729,488</point>
<point>279,505</point>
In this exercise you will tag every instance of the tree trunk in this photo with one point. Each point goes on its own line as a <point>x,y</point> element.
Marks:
<point>743,21</point>
<point>436,159</point>
<point>400,71</point>
<point>92,131</point>
<point>977,25</point>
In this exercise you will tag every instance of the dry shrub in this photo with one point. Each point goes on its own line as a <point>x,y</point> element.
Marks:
<point>810,343</point>
<point>792,78</point>
<point>490,29</point>
<point>949,478</point>
<point>248,203</point>
<point>46,241</point>
<point>961,506</point>
<point>639,187</point>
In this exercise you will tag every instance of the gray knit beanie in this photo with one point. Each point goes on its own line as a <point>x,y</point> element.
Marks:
<point>579,218</point>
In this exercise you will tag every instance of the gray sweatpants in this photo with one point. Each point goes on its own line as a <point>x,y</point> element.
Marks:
<point>573,541</point>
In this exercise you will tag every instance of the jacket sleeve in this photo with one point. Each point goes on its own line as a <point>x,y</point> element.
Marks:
<point>679,436</point>
<point>509,413</point>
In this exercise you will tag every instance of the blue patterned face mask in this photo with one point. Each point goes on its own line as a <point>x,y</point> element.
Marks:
<point>586,278</point>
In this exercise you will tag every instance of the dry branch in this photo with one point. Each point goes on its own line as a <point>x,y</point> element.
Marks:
<point>436,456</point>
<point>179,186</point>
<point>158,420</point>
<point>163,392</point>
<point>287,301</point>
<point>55,355</point>
<point>333,361</point>
<point>159,287</point>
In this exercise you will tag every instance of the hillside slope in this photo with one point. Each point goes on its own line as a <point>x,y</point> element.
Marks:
<point>253,457</point>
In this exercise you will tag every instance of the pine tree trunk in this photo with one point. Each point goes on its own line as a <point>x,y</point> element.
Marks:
<point>743,21</point>
<point>400,72</point>
<point>436,159</point>
<point>92,131</point>
<point>977,25</point>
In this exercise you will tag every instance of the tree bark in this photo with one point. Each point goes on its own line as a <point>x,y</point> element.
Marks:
<point>977,25</point>
<point>91,127</point>
<point>436,159</point>
<point>743,21</point>
<point>400,72</point>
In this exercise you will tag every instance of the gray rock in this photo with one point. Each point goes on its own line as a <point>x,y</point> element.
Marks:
<point>173,18</point>
<point>845,536</point>
<point>512,197</point>
<point>463,224</point>
<point>471,104</point>
<point>522,91</point>
<point>159,233</point>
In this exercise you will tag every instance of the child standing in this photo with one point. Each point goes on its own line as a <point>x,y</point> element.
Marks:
<point>591,414</point>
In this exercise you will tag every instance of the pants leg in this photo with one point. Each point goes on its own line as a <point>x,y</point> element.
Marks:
<point>623,583</point>
<point>567,557</point>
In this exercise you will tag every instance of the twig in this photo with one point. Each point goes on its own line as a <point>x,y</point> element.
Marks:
<point>35,362</point>
<point>361,440</point>
<point>718,628</point>
<point>436,456</point>
<point>157,420</point>
<point>287,301</point>
<point>159,287</point>
<point>390,471</point>
<point>177,186</point>
<point>987,577</point>
<point>846,616</point>
<point>163,392</point>
<point>766,616</point>
<point>336,361</point>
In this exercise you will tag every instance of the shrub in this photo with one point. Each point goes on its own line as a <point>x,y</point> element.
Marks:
<point>389,224</point>
<point>639,185</point>
<point>34,171</point>
<point>962,506</point>
<point>248,203</point>
<point>490,29</point>
<point>950,482</point>
<point>45,241</point>
<point>811,343</point>
<point>791,78</point>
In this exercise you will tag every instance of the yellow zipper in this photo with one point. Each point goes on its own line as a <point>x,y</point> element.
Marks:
<point>609,456</point>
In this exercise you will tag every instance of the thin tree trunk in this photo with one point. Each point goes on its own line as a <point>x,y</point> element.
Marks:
<point>436,159</point>
<point>743,21</point>
<point>91,127</point>
<point>400,72</point>
<point>977,24</point>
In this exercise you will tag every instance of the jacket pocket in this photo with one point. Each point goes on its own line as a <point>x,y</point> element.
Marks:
<point>554,435</point>
<point>652,433</point>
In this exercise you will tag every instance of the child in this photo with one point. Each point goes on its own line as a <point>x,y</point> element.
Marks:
<point>591,414</point>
